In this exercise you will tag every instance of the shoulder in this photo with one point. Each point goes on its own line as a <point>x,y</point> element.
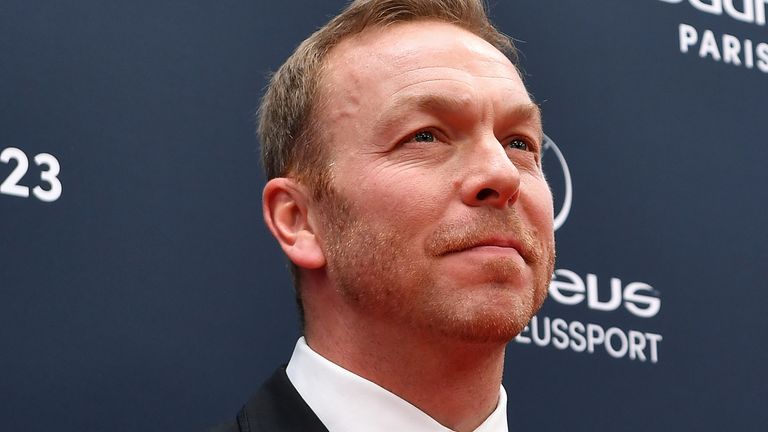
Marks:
<point>276,406</point>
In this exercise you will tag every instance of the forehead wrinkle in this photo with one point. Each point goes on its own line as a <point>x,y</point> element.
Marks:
<point>460,70</point>
<point>513,79</point>
<point>432,80</point>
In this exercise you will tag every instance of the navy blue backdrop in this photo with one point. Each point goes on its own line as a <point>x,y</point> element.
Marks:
<point>139,289</point>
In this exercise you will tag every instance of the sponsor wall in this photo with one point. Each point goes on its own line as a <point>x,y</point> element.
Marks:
<point>140,291</point>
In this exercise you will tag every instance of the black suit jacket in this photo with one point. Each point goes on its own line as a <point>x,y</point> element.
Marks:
<point>276,407</point>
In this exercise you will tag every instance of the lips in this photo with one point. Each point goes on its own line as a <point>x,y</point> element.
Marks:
<point>485,232</point>
<point>493,241</point>
<point>489,243</point>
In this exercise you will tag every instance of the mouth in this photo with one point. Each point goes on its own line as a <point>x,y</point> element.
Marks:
<point>494,235</point>
<point>492,245</point>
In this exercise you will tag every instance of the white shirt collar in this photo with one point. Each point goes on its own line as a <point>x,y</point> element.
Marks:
<point>346,402</point>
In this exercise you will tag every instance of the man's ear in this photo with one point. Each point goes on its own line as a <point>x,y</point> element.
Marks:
<point>285,207</point>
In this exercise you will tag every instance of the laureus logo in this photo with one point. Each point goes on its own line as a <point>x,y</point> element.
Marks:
<point>559,179</point>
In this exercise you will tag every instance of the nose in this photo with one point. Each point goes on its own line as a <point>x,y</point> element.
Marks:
<point>491,178</point>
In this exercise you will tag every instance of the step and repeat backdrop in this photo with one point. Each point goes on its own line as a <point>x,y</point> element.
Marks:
<point>139,289</point>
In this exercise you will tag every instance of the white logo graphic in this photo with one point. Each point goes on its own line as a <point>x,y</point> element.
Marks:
<point>565,209</point>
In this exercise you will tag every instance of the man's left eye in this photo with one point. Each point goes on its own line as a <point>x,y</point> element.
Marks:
<point>424,136</point>
<point>517,144</point>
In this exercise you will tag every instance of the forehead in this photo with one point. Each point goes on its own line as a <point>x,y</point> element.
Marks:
<point>389,59</point>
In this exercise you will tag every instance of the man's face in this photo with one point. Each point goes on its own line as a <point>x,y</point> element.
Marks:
<point>439,218</point>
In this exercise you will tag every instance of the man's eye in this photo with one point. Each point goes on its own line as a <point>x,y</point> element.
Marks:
<point>518,144</point>
<point>424,136</point>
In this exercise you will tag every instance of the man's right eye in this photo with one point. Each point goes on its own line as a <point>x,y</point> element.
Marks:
<point>424,136</point>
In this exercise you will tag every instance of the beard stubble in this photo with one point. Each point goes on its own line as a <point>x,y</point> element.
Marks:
<point>372,270</point>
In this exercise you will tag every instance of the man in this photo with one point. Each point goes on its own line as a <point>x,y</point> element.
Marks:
<point>405,187</point>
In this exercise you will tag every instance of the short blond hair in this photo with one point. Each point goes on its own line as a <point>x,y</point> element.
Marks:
<point>291,138</point>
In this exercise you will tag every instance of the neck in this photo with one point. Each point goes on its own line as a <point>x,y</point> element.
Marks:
<point>455,382</point>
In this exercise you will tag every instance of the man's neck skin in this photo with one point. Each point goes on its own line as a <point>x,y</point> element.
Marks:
<point>453,381</point>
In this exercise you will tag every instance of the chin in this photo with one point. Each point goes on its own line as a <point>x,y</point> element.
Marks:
<point>496,330</point>
<point>488,315</point>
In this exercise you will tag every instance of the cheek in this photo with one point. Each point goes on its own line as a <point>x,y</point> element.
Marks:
<point>538,203</point>
<point>403,203</point>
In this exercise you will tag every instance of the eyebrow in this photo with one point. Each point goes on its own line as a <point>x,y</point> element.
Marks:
<point>430,102</point>
<point>530,113</point>
<point>438,102</point>
<point>527,112</point>
<point>401,107</point>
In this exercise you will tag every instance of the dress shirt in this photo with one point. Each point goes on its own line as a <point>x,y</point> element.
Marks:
<point>346,402</point>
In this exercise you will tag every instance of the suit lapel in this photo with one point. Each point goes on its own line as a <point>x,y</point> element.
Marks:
<point>278,407</point>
